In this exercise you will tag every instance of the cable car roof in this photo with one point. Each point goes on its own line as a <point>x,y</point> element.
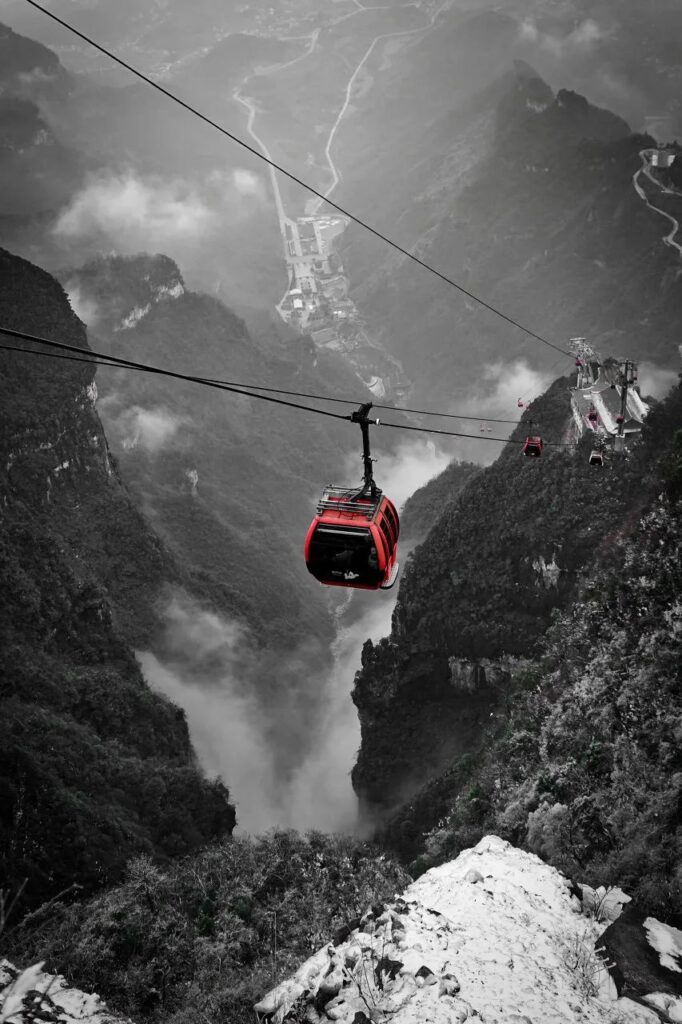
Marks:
<point>346,501</point>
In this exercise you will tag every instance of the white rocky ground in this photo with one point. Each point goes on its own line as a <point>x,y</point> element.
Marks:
<point>494,935</point>
<point>33,995</point>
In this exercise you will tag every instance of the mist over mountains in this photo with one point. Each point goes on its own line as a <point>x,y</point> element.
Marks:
<point>523,677</point>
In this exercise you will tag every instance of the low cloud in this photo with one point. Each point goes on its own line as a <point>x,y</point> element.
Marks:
<point>85,308</point>
<point>225,733</point>
<point>507,382</point>
<point>248,184</point>
<point>206,669</point>
<point>581,40</point>
<point>586,34</point>
<point>321,795</point>
<point>614,90</point>
<point>150,429</point>
<point>656,382</point>
<point>496,396</point>
<point>241,731</point>
<point>412,466</point>
<point>135,213</point>
<point>285,753</point>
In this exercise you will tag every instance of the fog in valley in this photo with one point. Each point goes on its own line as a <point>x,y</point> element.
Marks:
<point>236,734</point>
<point>397,112</point>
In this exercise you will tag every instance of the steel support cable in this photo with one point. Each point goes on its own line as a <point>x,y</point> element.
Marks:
<point>451,433</point>
<point>261,387</point>
<point>292,177</point>
<point>102,359</point>
<point>107,360</point>
<point>354,401</point>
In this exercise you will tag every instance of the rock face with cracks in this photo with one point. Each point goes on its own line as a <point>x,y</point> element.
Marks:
<point>495,935</point>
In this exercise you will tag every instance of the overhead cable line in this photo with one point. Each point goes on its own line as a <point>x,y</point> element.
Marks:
<point>449,433</point>
<point>375,405</point>
<point>292,177</point>
<point>107,360</point>
<point>103,359</point>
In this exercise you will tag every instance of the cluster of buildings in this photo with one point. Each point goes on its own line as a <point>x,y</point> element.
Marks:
<point>317,302</point>
<point>317,297</point>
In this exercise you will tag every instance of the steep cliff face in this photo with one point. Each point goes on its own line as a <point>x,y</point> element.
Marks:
<point>580,763</point>
<point>474,600</point>
<point>93,767</point>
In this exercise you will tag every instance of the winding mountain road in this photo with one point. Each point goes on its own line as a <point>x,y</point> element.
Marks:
<point>669,239</point>
<point>313,38</point>
<point>252,111</point>
<point>336,177</point>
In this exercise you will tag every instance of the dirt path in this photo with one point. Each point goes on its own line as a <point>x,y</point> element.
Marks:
<point>336,177</point>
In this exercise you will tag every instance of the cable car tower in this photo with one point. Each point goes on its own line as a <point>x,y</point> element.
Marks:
<point>586,359</point>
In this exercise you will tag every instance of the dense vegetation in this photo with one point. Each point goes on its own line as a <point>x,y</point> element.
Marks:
<point>204,939</point>
<point>94,768</point>
<point>477,595</point>
<point>426,506</point>
<point>582,762</point>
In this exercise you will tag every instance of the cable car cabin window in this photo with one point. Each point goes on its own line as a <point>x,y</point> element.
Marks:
<point>390,541</point>
<point>387,528</point>
<point>393,520</point>
<point>340,554</point>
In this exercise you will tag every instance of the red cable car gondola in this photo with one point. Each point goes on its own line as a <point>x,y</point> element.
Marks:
<point>532,447</point>
<point>353,539</point>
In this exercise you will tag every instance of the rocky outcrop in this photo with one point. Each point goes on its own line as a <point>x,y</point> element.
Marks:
<point>45,998</point>
<point>118,292</point>
<point>495,935</point>
<point>647,957</point>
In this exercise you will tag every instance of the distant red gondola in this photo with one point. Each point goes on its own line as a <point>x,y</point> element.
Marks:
<point>532,447</point>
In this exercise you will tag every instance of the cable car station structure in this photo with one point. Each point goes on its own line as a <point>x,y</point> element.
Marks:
<point>605,400</point>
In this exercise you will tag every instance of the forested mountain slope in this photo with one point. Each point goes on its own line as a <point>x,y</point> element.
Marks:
<point>525,197</point>
<point>205,937</point>
<point>93,767</point>
<point>476,596</point>
<point>576,750</point>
